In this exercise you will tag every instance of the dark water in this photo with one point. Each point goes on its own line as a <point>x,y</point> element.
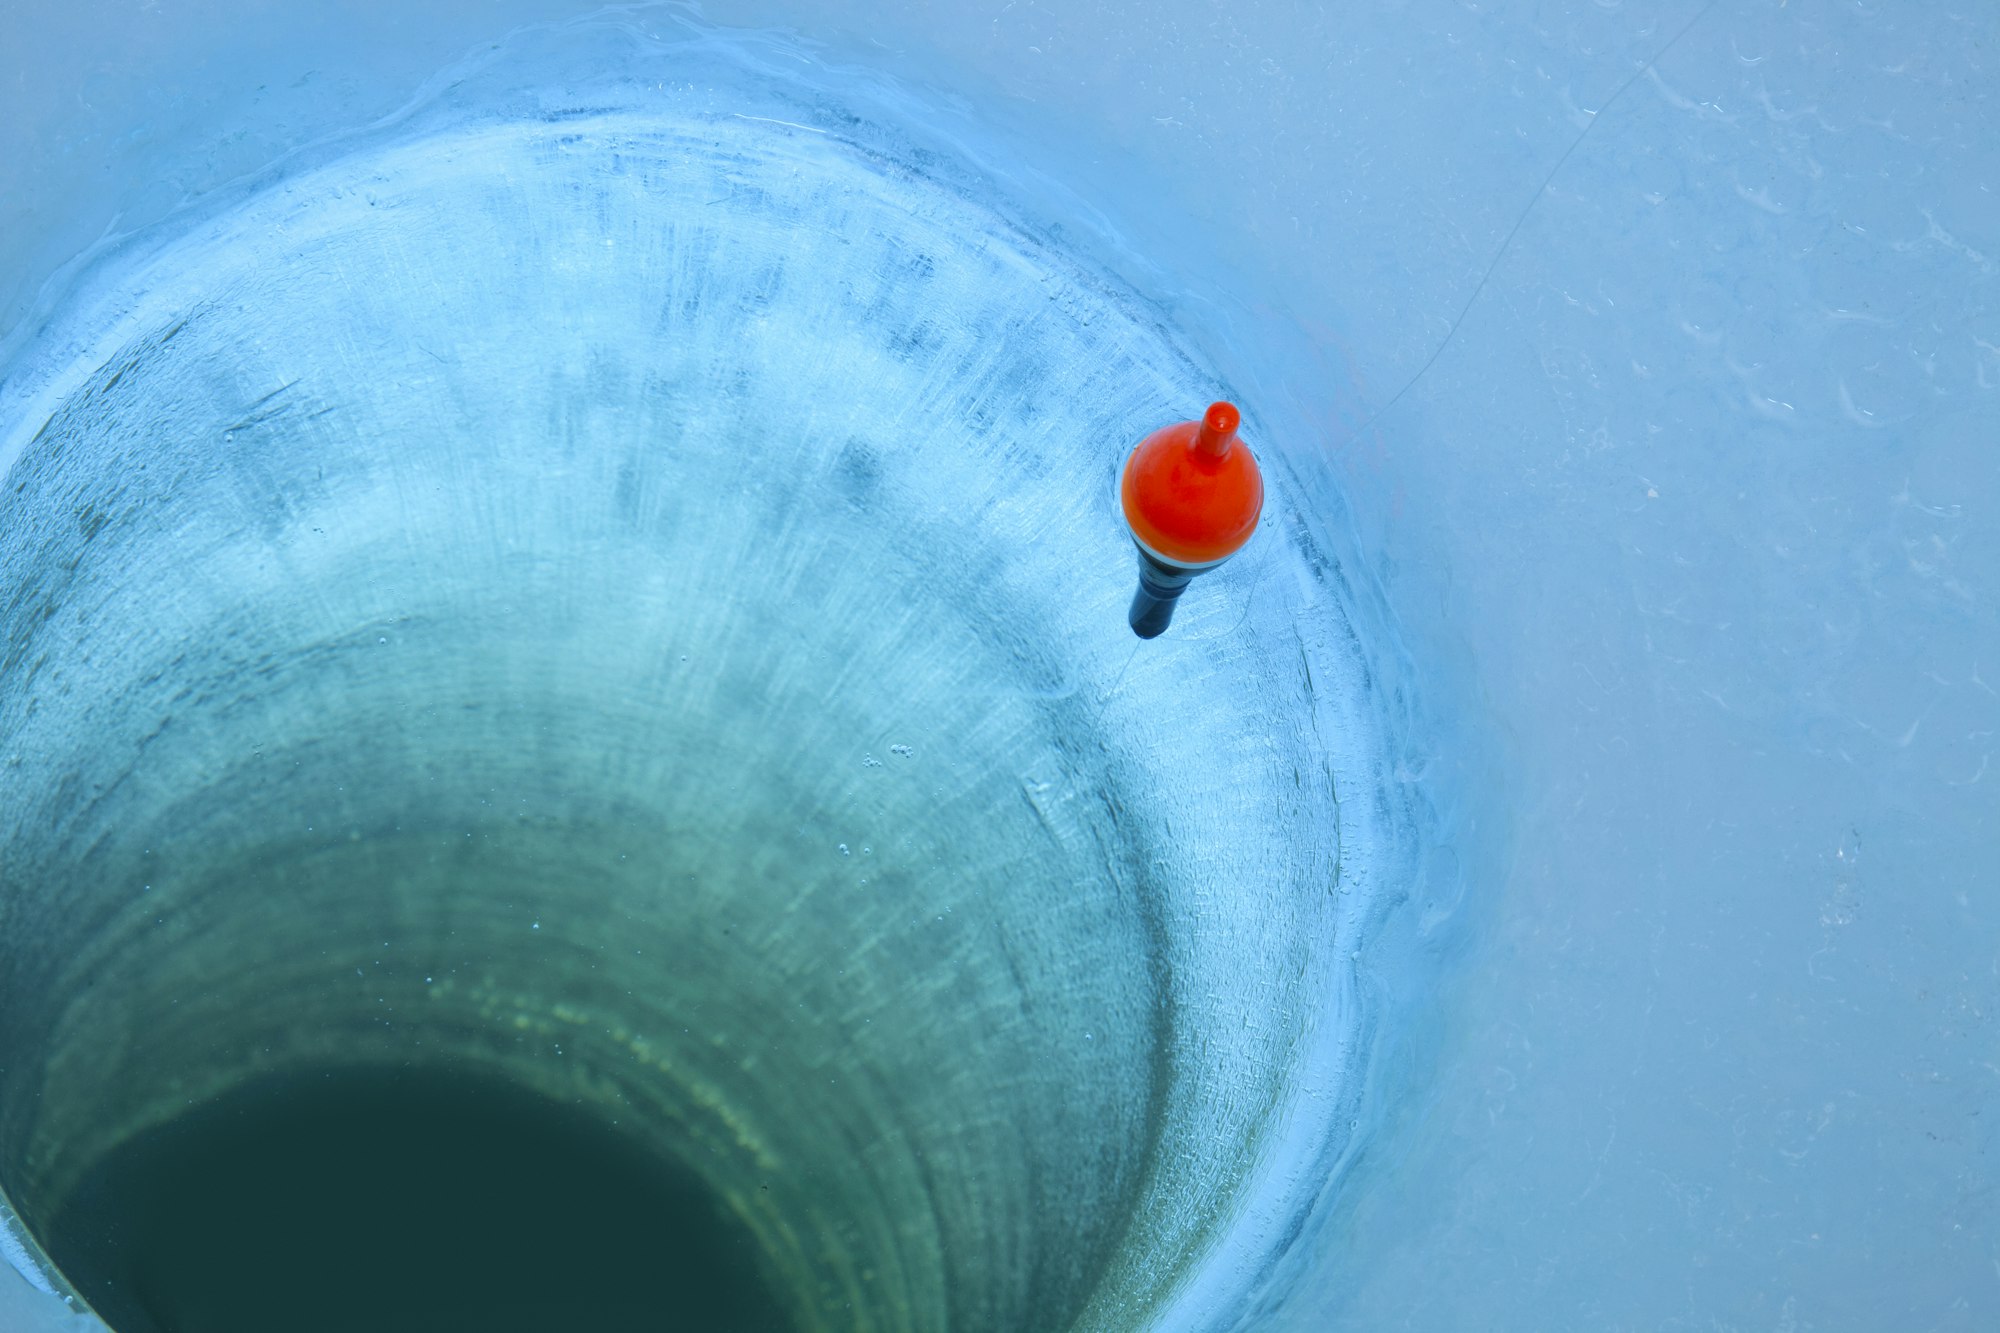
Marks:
<point>386,1201</point>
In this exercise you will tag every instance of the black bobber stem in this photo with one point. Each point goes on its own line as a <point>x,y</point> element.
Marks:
<point>1160,587</point>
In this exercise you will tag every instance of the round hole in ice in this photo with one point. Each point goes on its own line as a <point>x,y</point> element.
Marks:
<point>454,609</point>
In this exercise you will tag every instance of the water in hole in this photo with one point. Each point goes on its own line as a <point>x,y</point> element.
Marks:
<point>419,1200</point>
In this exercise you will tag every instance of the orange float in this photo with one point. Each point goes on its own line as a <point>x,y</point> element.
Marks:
<point>1192,495</point>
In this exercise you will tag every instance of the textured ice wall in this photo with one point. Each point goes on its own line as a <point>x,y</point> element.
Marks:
<point>622,588</point>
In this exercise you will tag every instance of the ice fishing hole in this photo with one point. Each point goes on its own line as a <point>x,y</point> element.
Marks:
<point>455,598</point>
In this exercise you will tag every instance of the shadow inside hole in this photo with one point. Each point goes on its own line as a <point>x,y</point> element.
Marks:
<point>333,1201</point>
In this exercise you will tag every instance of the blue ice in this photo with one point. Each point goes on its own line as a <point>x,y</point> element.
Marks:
<point>1546,882</point>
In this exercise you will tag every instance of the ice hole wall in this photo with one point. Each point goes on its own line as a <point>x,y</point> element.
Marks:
<point>625,600</point>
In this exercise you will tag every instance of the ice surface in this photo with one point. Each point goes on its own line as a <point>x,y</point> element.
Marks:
<point>1686,526</point>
